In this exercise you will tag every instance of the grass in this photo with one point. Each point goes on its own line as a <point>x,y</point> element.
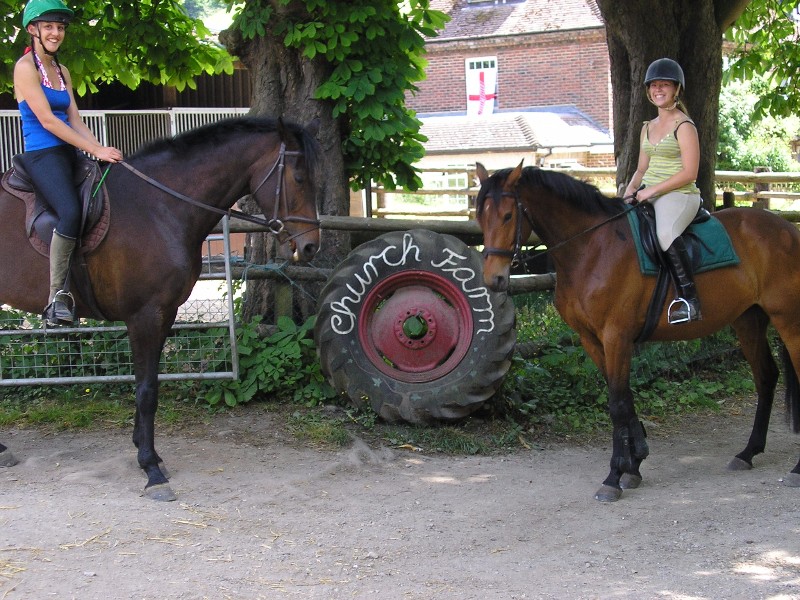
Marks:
<point>89,407</point>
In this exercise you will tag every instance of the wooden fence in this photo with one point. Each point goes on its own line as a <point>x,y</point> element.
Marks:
<point>728,193</point>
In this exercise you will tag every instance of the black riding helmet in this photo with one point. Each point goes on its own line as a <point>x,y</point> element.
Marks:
<point>665,69</point>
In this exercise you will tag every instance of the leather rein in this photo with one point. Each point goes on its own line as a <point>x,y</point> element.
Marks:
<point>274,225</point>
<point>516,253</point>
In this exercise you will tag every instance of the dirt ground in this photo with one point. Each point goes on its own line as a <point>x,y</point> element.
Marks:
<point>260,516</point>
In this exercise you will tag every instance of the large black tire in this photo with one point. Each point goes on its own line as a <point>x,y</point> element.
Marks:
<point>406,325</point>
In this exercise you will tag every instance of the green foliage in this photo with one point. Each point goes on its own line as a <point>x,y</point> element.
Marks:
<point>129,42</point>
<point>375,52</point>
<point>283,364</point>
<point>747,140</point>
<point>766,37</point>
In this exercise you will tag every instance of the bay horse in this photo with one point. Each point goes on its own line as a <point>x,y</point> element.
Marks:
<point>162,207</point>
<point>602,295</point>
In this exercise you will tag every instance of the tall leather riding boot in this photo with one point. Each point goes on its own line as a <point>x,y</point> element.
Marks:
<point>686,306</point>
<point>59,310</point>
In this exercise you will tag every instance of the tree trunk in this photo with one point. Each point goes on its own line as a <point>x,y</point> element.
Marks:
<point>688,31</point>
<point>283,85</point>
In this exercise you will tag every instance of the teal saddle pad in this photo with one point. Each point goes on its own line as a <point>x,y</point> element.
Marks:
<point>716,250</point>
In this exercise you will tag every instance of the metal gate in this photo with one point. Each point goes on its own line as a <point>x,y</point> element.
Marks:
<point>201,345</point>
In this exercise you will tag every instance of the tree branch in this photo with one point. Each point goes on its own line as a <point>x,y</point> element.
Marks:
<point>727,11</point>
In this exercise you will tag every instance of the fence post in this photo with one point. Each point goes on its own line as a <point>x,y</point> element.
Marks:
<point>761,187</point>
<point>728,199</point>
<point>380,199</point>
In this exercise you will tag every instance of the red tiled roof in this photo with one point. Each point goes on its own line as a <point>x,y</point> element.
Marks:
<point>479,19</point>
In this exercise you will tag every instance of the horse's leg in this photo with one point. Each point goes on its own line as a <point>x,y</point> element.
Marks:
<point>7,459</point>
<point>751,329</point>
<point>629,444</point>
<point>790,336</point>
<point>147,336</point>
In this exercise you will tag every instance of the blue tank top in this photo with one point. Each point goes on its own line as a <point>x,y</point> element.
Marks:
<point>37,137</point>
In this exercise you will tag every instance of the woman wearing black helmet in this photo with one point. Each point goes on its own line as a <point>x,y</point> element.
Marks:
<point>53,129</point>
<point>669,158</point>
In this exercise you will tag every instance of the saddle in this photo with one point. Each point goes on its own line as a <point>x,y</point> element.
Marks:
<point>40,220</point>
<point>649,243</point>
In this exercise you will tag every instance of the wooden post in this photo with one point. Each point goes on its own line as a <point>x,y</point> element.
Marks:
<point>727,199</point>
<point>368,199</point>
<point>380,199</point>
<point>761,187</point>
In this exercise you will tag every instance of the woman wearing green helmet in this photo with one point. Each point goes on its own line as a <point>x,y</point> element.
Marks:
<point>53,129</point>
<point>669,159</point>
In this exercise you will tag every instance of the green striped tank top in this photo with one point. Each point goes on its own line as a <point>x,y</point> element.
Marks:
<point>665,160</point>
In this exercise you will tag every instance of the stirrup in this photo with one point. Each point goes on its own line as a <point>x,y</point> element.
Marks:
<point>682,303</point>
<point>61,311</point>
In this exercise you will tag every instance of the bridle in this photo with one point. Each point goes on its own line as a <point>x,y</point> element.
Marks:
<point>515,254</point>
<point>275,225</point>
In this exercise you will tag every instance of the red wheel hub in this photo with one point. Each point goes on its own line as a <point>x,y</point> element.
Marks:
<point>415,326</point>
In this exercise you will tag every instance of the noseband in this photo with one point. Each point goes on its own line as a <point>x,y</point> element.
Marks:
<point>275,225</point>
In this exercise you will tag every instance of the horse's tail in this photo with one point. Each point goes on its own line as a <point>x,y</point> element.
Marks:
<point>792,390</point>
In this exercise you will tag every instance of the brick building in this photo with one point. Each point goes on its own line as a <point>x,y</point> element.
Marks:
<point>517,79</point>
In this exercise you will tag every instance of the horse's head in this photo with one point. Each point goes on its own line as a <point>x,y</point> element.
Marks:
<point>291,204</point>
<point>499,214</point>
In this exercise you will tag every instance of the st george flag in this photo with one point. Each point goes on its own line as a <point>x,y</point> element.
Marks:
<point>481,91</point>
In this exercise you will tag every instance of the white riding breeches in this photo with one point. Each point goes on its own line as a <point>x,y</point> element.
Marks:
<point>674,212</point>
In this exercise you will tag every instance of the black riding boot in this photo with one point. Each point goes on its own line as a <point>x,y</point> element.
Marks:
<point>686,306</point>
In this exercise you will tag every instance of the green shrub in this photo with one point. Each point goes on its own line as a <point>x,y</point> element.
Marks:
<point>283,364</point>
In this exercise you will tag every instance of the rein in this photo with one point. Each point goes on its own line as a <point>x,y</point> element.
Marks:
<point>518,241</point>
<point>275,225</point>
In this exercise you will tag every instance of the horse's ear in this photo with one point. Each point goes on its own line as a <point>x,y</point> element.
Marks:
<point>313,127</point>
<point>513,178</point>
<point>481,172</point>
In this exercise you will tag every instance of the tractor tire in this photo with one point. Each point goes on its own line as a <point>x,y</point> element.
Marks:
<point>406,326</point>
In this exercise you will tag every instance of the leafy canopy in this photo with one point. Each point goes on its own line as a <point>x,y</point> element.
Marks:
<point>766,36</point>
<point>375,49</point>
<point>130,42</point>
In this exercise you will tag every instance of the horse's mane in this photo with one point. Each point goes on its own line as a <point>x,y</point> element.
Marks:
<point>581,195</point>
<point>213,134</point>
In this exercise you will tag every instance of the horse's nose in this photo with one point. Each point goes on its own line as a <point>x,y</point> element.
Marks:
<point>307,251</point>
<point>497,283</point>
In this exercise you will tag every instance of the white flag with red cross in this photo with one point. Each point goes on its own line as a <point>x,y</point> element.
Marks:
<point>481,75</point>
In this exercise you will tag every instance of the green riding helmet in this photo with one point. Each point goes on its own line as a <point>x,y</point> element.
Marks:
<point>46,10</point>
<point>665,69</point>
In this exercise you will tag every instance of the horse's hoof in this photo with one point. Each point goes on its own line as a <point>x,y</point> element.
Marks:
<point>629,481</point>
<point>737,464</point>
<point>606,493</point>
<point>160,492</point>
<point>792,480</point>
<point>7,459</point>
